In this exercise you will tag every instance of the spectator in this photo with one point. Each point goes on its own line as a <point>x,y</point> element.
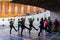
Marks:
<point>56,24</point>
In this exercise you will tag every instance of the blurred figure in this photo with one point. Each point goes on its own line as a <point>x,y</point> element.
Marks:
<point>49,24</point>
<point>19,24</point>
<point>46,25</point>
<point>12,26</point>
<point>41,26</point>
<point>23,26</point>
<point>31,25</point>
<point>56,24</point>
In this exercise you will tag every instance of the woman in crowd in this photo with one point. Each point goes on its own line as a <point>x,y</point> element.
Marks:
<point>46,25</point>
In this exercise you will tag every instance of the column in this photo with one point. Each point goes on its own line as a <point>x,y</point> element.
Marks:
<point>34,9</point>
<point>9,10</point>
<point>28,9</point>
<point>22,9</point>
<point>16,9</point>
<point>3,8</point>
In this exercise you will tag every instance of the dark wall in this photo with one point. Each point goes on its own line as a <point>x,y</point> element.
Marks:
<point>52,5</point>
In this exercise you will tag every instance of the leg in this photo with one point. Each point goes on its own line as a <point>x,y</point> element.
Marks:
<point>18,28</point>
<point>40,31</point>
<point>34,27</point>
<point>30,29</point>
<point>21,32</point>
<point>29,32</point>
<point>55,28</point>
<point>47,29</point>
<point>10,29</point>
<point>26,27</point>
<point>14,29</point>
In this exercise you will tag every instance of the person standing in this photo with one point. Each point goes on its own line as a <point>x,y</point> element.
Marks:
<point>12,26</point>
<point>56,24</point>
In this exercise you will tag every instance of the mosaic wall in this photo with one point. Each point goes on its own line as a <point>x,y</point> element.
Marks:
<point>8,9</point>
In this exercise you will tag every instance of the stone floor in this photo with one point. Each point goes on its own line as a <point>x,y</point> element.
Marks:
<point>4,35</point>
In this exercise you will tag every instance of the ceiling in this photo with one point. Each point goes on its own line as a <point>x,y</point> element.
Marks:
<point>52,5</point>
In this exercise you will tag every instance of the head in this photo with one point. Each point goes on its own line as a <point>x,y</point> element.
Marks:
<point>30,18</point>
<point>22,18</point>
<point>41,18</point>
<point>18,18</point>
<point>55,19</point>
<point>11,19</point>
<point>49,18</point>
<point>45,19</point>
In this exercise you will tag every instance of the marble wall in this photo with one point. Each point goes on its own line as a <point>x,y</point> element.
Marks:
<point>55,15</point>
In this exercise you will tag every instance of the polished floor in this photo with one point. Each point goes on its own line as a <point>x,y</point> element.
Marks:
<point>4,35</point>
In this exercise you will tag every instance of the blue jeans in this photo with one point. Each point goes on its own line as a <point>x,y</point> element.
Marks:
<point>19,25</point>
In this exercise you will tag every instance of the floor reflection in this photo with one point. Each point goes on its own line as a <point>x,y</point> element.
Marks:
<point>4,35</point>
